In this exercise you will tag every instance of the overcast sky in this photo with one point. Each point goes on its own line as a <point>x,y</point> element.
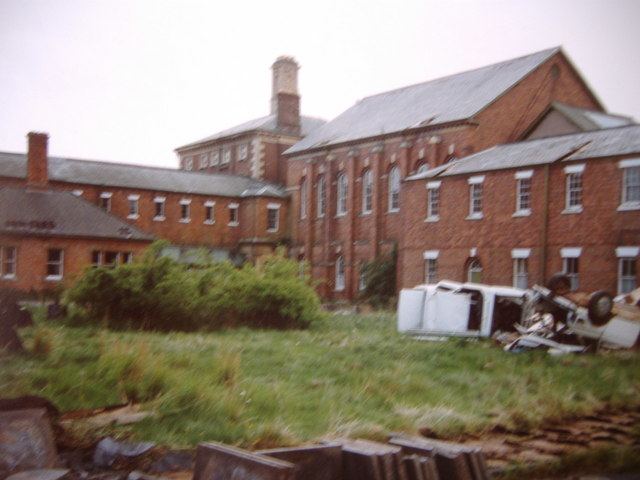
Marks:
<point>131,80</point>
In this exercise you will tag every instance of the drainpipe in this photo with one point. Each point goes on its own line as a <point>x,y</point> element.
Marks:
<point>545,225</point>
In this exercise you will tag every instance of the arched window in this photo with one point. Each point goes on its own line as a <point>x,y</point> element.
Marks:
<point>341,197</point>
<point>474,271</point>
<point>394,189</point>
<point>367,191</point>
<point>421,167</point>
<point>322,195</point>
<point>340,284</point>
<point>303,198</point>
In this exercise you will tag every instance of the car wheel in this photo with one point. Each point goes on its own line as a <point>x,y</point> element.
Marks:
<point>600,306</point>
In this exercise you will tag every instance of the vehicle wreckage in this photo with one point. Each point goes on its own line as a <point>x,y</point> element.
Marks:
<point>539,317</point>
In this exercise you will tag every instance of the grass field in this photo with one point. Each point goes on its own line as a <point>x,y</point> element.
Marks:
<point>349,375</point>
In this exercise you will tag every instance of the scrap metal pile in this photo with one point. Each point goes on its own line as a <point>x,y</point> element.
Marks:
<point>551,317</point>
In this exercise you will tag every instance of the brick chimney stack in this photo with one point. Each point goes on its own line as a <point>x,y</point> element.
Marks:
<point>285,100</point>
<point>37,169</point>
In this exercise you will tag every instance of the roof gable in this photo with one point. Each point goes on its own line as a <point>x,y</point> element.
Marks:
<point>448,99</point>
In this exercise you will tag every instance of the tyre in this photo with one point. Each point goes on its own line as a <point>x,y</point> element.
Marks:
<point>600,306</point>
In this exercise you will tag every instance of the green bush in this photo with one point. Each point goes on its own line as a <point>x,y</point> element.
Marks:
<point>380,280</point>
<point>161,294</point>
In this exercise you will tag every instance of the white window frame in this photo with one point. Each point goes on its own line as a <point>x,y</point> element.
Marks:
<point>367,192</point>
<point>270,208</point>
<point>226,156</point>
<point>430,258</point>
<point>631,165</point>
<point>433,200</point>
<point>362,278</point>
<point>569,254</point>
<point>209,220</point>
<point>106,196</point>
<point>243,152</point>
<point>235,207</point>
<point>204,161</point>
<point>342,189</point>
<point>159,201</point>
<point>303,198</point>
<point>472,268</point>
<point>188,163</point>
<point>627,254</point>
<point>394,190</point>
<point>3,261</point>
<point>520,258</point>
<point>185,202</point>
<point>59,263</point>
<point>321,195</point>
<point>214,160</point>
<point>476,193</point>
<point>134,206</point>
<point>573,172</point>
<point>340,283</point>
<point>523,196</point>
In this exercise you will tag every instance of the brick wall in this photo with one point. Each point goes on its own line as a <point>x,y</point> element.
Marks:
<point>598,229</point>
<point>31,260</point>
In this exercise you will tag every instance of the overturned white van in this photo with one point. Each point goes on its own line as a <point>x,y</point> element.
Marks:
<point>461,309</point>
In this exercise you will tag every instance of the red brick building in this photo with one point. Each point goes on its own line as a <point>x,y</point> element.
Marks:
<point>231,216</point>
<point>347,178</point>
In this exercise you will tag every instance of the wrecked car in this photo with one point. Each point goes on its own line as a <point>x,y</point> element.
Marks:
<point>538,316</point>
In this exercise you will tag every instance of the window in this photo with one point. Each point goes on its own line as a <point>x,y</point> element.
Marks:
<point>520,258</point>
<point>520,272</point>
<point>8,262</point>
<point>362,278</point>
<point>474,271</point>
<point>226,156</point>
<point>110,258</point>
<point>158,205</point>
<point>233,215</point>
<point>367,192</point>
<point>433,201</point>
<point>105,201</point>
<point>185,210</point>
<point>303,198</point>
<point>475,197</point>
<point>273,217</point>
<point>188,163</point>
<point>204,160</point>
<point>523,193</point>
<point>341,197</point>
<point>430,266</point>
<point>55,264</point>
<point>322,194</point>
<point>571,265</point>
<point>242,152</point>
<point>209,212</point>
<point>133,206</point>
<point>394,189</point>
<point>573,199</point>
<point>421,167</point>
<point>340,284</point>
<point>215,159</point>
<point>630,184</point>
<point>627,268</point>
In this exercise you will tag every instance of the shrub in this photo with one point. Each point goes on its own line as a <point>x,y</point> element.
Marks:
<point>158,293</point>
<point>380,280</point>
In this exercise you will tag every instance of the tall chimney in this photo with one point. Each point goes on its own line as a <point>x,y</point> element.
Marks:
<point>37,170</point>
<point>285,100</point>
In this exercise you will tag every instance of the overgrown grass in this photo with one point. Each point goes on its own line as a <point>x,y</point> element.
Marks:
<point>347,375</point>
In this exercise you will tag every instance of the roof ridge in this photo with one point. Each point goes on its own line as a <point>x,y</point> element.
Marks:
<point>548,50</point>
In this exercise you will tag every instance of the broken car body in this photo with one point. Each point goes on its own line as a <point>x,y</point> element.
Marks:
<point>476,310</point>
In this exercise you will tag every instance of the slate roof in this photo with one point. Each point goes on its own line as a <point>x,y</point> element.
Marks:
<point>264,124</point>
<point>453,98</point>
<point>14,165</point>
<point>56,213</point>
<point>576,146</point>
<point>591,119</point>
